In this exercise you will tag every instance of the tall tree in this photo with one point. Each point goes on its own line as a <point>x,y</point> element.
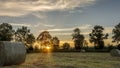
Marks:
<point>45,39</point>
<point>23,35</point>
<point>97,37</point>
<point>78,38</point>
<point>30,38</point>
<point>116,32</point>
<point>55,42</point>
<point>6,32</point>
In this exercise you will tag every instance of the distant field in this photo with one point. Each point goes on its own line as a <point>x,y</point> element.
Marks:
<point>69,60</point>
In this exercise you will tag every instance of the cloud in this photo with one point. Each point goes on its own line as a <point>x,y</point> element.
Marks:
<point>54,34</point>
<point>85,30</point>
<point>22,7</point>
<point>31,25</point>
<point>16,24</point>
<point>108,29</point>
<point>68,33</point>
<point>42,24</point>
<point>72,11</point>
<point>40,15</point>
<point>87,26</point>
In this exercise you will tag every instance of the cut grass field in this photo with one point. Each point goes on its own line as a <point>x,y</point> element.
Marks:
<point>69,60</point>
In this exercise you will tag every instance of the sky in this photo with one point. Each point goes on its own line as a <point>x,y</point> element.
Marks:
<point>60,17</point>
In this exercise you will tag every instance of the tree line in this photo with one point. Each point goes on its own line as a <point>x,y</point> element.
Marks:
<point>23,34</point>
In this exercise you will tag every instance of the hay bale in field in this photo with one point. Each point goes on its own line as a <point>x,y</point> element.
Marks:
<point>115,52</point>
<point>12,53</point>
<point>83,50</point>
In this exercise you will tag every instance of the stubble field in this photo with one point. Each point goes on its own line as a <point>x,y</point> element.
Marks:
<point>69,60</point>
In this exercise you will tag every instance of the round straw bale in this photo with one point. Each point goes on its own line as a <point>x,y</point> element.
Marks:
<point>12,53</point>
<point>115,52</point>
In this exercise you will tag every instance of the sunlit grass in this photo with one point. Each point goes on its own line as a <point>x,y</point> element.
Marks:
<point>69,60</point>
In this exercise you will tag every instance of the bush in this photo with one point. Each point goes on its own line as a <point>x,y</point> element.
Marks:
<point>66,46</point>
<point>118,46</point>
<point>110,47</point>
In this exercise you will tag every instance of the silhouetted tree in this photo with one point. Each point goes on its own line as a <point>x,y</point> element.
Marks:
<point>6,32</point>
<point>30,38</point>
<point>97,37</point>
<point>118,46</point>
<point>116,32</point>
<point>85,44</point>
<point>55,42</point>
<point>110,47</point>
<point>23,35</point>
<point>66,46</point>
<point>78,38</point>
<point>45,39</point>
